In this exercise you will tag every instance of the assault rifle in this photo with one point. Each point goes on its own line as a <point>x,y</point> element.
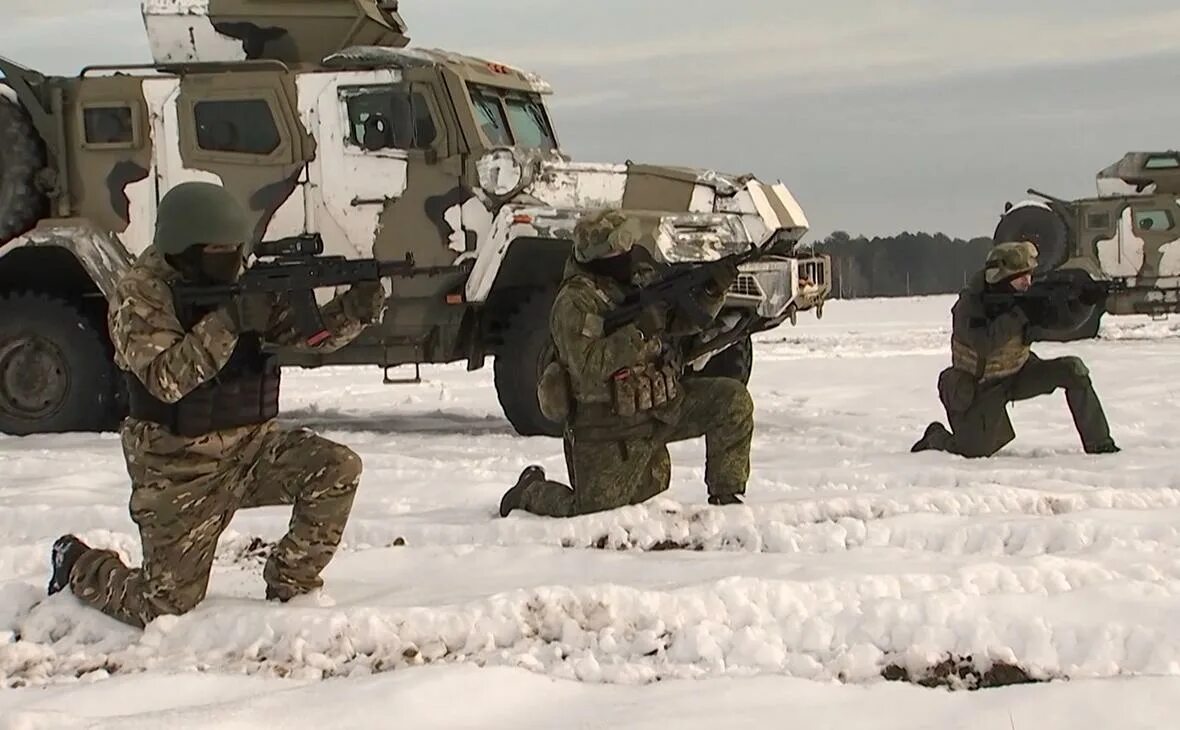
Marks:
<point>679,288</point>
<point>1062,299</point>
<point>296,268</point>
<point>1062,287</point>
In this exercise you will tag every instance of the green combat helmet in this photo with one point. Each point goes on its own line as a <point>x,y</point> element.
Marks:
<point>603,234</point>
<point>1010,259</point>
<point>196,213</point>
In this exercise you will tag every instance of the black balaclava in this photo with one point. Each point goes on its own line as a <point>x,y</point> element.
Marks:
<point>620,267</point>
<point>200,267</point>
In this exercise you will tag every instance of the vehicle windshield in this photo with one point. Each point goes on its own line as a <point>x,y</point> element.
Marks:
<point>513,118</point>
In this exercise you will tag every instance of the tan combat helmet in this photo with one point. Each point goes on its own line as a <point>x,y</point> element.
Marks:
<point>603,234</point>
<point>1010,259</point>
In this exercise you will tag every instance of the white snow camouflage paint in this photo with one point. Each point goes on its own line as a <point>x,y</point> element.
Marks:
<point>850,554</point>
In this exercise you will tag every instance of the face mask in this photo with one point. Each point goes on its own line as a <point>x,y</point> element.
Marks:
<point>223,268</point>
<point>620,268</point>
<point>200,267</point>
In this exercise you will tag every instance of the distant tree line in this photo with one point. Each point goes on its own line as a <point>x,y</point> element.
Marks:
<point>908,264</point>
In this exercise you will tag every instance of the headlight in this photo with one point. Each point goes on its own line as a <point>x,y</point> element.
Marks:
<point>501,173</point>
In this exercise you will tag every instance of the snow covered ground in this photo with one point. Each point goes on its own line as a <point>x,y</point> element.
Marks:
<point>853,560</point>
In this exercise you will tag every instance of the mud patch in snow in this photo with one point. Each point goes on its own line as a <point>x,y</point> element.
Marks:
<point>961,673</point>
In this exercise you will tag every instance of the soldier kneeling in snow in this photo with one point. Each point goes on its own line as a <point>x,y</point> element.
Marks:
<point>622,396</point>
<point>201,441</point>
<point>992,364</point>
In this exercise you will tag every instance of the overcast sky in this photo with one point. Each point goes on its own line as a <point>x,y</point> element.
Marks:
<point>881,115</point>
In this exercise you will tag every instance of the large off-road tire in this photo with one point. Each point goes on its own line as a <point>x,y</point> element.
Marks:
<point>56,374</point>
<point>735,361</point>
<point>520,360</point>
<point>22,155</point>
<point>1043,227</point>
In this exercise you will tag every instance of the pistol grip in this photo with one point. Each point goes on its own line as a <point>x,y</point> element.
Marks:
<point>308,320</point>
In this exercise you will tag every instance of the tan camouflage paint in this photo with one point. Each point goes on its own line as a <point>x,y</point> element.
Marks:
<point>651,187</point>
<point>262,183</point>
<point>306,31</point>
<point>101,173</point>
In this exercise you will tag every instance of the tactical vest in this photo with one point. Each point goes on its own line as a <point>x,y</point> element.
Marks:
<point>619,407</point>
<point>1005,360</point>
<point>243,393</point>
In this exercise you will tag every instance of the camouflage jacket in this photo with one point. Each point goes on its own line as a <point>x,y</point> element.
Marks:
<point>591,357</point>
<point>151,344</point>
<point>987,344</point>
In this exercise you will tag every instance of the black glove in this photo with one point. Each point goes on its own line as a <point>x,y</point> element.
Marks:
<point>364,300</point>
<point>724,275</point>
<point>653,320</point>
<point>250,312</point>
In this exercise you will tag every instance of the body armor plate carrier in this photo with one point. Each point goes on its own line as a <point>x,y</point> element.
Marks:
<point>243,393</point>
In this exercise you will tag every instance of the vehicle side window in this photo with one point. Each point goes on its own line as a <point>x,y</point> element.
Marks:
<point>109,125</point>
<point>1162,162</point>
<point>1153,220</point>
<point>389,117</point>
<point>244,126</point>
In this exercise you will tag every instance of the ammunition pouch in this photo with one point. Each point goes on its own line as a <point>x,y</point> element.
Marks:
<point>554,393</point>
<point>642,388</point>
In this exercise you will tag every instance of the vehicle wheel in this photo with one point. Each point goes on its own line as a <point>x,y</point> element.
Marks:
<point>1085,331</point>
<point>22,155</point>
<point>735,361</point>
<point>527,349</point>
<point>1043,227</point>
<point>56,375</point>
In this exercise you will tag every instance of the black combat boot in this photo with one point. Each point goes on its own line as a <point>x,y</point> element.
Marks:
<point>66,552</point>
<point>511,498</point>
<point>1105,447</point>
<point>720,500</point>
<point>935,437</point>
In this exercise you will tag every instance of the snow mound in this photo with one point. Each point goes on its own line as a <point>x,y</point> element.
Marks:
<point>936,521</point>
<point>851,630</point>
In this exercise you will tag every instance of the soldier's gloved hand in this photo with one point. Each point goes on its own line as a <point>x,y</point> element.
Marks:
<point>652,320</point>
<point>364,301</point>
<point>724,275</point>
<point>250,312</point>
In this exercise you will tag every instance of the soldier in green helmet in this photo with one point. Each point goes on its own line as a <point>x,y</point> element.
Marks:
<point>201,439</point>
<point>621,396</point>
<point>993,365</point>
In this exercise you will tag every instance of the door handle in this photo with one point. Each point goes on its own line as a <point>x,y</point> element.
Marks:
<point>358,201</point>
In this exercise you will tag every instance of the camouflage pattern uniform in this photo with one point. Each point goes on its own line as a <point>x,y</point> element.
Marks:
<point>992,365</point>
<point>185,490</point>
<point>626,399</point>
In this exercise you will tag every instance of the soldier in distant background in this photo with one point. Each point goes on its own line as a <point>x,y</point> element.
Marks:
<point>201,441</point>
<point>622,395</point>
<point>992,364</point>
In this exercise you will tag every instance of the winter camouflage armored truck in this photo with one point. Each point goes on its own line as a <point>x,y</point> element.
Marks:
<point>1127,237</point>
<point>331,130</point>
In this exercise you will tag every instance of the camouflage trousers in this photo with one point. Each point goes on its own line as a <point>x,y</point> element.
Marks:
<point>184,494</point>
<point>611,474</point>
<point>978,413</point>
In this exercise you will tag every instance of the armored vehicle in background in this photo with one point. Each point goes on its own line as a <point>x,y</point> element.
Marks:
<point>1127,237</point>
<point>331,130</point>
